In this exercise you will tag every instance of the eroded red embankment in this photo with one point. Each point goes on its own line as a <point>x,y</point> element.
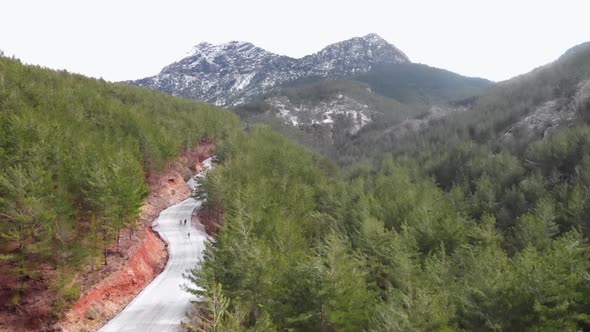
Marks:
<point>142,268</point>
<point>110,295</point>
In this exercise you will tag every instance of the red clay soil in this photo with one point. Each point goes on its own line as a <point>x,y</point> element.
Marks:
<point>138,259</point>
<point>114,292</point>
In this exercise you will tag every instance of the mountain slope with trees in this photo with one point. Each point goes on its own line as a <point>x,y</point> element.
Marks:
<point>331,113</point>
<point>506,115</point>
<point>74,157</point>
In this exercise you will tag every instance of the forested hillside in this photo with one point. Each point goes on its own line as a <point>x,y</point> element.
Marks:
<point>447,229</point>
<point>382,247</point>
<point>332,115</point>
<point>506,115</point>
<point>413,83</point>
<point>74,157</point>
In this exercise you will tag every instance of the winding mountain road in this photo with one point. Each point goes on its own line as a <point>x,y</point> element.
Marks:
<point>162,304</point>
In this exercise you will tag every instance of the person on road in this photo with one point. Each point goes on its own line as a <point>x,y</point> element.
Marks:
<point>189,235</point>
<point>185,221</point>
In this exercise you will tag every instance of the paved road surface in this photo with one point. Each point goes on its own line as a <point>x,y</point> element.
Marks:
<point>161,305</point>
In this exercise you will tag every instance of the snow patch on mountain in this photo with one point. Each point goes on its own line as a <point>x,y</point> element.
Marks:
<point>341,110</point>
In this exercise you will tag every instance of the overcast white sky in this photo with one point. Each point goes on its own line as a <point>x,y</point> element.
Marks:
<point>130,39</point>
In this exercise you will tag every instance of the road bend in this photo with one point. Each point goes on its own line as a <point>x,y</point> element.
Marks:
<point>162,304</point>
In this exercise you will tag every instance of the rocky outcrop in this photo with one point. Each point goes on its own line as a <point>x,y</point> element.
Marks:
<point>551,115</point>
<point>341,110</point>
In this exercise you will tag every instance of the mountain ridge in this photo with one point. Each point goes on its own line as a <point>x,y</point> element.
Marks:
<point>231,73</point>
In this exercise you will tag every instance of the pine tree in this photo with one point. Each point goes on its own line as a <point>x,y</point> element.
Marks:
<point>24,215</point>
<point>346,301</point>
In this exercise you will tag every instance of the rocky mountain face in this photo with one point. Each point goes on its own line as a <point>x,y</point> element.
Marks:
<point>556,96</point>
<point>341,111</point>
<point>236,72</point>
<point>551,115</point>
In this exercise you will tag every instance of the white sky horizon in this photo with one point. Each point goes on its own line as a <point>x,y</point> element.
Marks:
<point>132,39</point>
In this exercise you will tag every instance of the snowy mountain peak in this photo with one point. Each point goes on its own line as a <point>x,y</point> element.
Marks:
<point>358,54</point>
<point>214,54</point>
<point>234,72</point>
<point>209,49</point>
<point>371,45</point>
